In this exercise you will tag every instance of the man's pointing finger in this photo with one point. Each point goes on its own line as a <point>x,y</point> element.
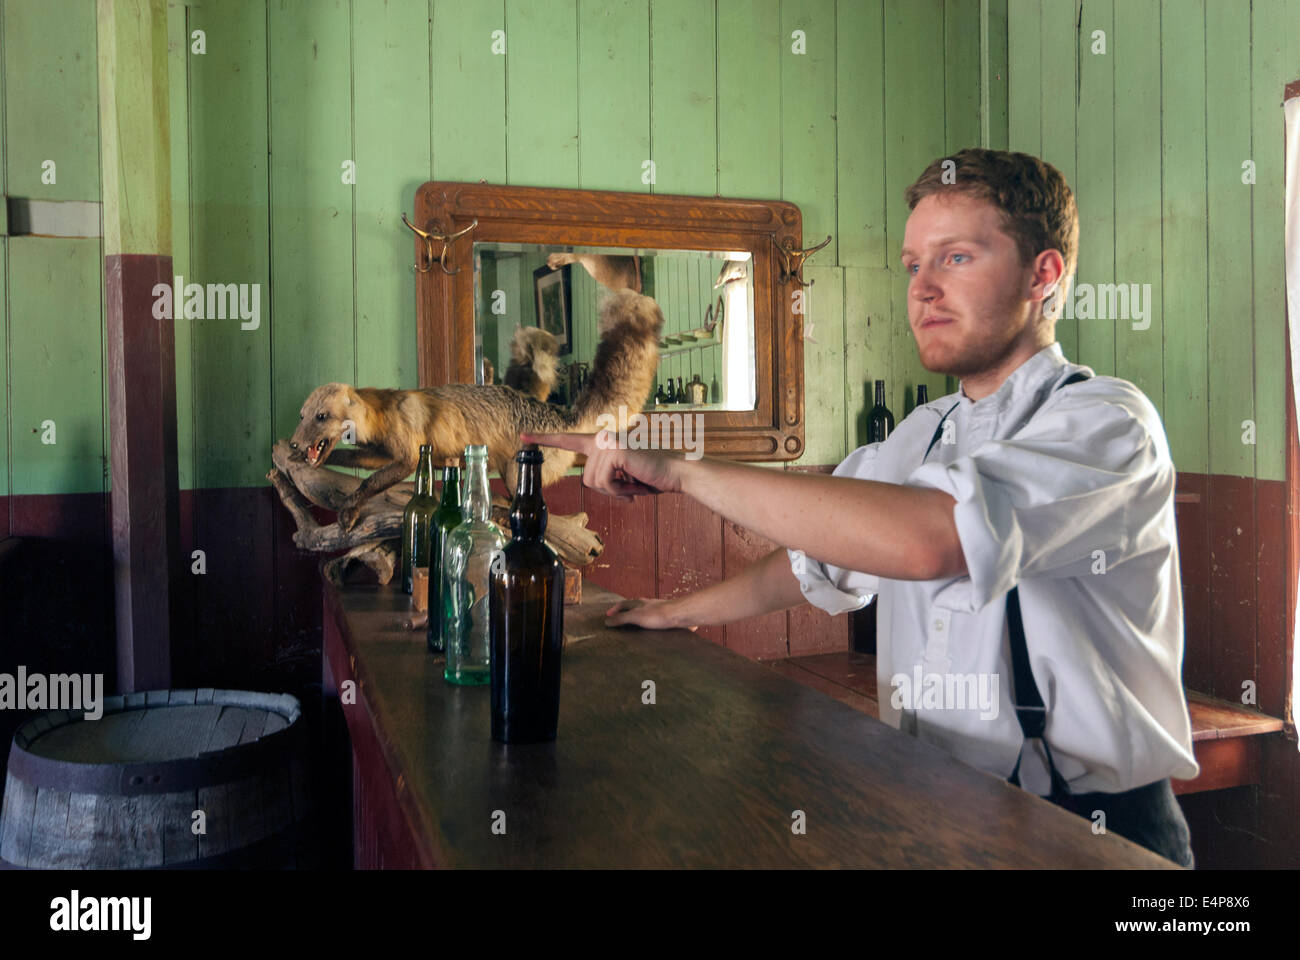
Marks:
<point>577,442</point>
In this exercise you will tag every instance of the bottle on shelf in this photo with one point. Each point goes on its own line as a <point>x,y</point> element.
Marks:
<point>881,422</point>
<point>714,395</point>
<point>659,395</point>
<point>415,519</point>
<point>526,618</point>
<point>680,396</point>
<point>471,545</point>
<point>446,518</point>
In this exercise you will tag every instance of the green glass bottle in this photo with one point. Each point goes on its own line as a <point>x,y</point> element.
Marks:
<point>526,618</point>
<point>416,517</point>
<point>471,545</point>
<point>445,519</point>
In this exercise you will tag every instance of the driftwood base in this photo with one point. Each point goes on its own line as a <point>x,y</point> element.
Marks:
<point>375,541</point>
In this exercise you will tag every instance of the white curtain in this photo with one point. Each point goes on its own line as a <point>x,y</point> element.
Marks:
<point>1292,109</point>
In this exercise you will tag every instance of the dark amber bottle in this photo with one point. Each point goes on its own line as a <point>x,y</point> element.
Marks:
<point>526,617</point>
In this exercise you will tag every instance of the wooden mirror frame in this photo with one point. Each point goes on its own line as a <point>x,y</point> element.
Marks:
<point>772,431</point>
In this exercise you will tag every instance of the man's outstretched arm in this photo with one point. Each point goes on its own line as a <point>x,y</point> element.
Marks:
<point>886,529</point>
<point>765,586</point>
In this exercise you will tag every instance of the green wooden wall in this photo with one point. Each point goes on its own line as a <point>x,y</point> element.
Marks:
<point>1151,134</point>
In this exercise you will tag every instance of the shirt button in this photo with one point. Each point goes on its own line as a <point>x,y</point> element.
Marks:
<point>938,624</point>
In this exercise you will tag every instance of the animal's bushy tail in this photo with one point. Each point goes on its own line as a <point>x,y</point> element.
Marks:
<point>534,362</point>
<point>627,357</point>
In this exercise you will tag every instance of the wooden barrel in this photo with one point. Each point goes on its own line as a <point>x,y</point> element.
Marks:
<point>169,778</point>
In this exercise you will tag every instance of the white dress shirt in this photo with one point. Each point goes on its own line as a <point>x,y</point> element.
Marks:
<point>1068,495</point>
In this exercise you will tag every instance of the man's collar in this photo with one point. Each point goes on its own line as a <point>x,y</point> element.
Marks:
<point>1025,378</point>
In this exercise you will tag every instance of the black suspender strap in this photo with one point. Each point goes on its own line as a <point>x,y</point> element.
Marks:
<point>938,431</point>
<point>1030,710</point>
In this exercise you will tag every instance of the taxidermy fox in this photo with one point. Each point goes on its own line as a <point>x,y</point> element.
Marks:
<point>390,425</point>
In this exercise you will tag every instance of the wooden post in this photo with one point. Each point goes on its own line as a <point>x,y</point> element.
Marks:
<point>141,355</point>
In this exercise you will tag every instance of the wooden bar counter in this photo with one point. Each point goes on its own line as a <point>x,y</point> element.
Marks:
<point>709,775</point>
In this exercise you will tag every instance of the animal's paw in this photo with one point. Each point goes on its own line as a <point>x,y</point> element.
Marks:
<point>348,516</point>
<point>557,260</point>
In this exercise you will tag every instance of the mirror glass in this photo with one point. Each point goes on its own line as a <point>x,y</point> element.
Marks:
<point>707,299</point>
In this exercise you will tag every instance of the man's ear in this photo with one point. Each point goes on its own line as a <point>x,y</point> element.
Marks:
<point>1047,282</point>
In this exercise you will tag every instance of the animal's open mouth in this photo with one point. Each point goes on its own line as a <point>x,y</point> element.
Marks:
<point>318,451</point>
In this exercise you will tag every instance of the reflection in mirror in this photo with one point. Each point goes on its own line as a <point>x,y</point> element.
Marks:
<point>706,356</point>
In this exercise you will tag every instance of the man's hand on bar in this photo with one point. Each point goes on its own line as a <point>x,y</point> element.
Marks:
<point>617,473</point>
<point>646,612</point>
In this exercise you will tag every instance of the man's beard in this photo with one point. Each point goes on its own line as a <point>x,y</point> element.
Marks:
<point>965,360</point>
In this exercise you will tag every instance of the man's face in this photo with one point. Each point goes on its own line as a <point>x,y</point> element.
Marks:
<point>968,294</point>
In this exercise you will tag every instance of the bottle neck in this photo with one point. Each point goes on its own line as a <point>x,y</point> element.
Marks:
<point>478,498</point>
<point>424,476</point>
<point>528,513</point>
<point>450,487</point>
<point>880,393</point>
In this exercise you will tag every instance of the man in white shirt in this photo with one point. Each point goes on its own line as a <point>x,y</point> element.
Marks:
<point>1026,519</point>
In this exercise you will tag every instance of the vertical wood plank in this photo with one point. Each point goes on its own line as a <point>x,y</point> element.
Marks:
<point>52,100</point>
<point>391,147</point>
<point>813,630</point>
<point>860,152</point>
<point>914,138</point>
<point>1227,282</point>
<point>467,102</point>
<point>808,121</point>
<point>16,840</point>
<point>1059,93</point>
<point>750,53</point>
<point>961,75</point>
<point>824,368</point>
<point>1135,45</point>
<point>628,564</point>
<point>1094,185</point>
<point>1268,526</point>
<point>683,106</point>
<point>1199,643</point>
<point>994,75</point>
<point>613,94</point>
<point>764,636</point>
<point>231,244</point>
<point>688,551</point>
<point>1182,68</point>
<point>1025,75</point>
<point>1233,580</point>
<point>542,93</point>
<point>6,414</point>
<point>314,337</point>
<point>1275,60</point>
<point>868,347</point>
<point>178,103</point>
<point>57,373</point>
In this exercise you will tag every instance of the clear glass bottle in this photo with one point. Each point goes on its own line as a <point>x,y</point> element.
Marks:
<point>470,548</point>
<point>415,519</point>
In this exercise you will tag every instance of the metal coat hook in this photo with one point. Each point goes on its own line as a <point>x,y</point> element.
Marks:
<point>792,260</point>
<point>428,239</point>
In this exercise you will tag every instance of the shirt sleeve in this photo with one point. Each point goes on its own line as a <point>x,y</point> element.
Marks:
<point>1078,487</point>
<point>826,586</point>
